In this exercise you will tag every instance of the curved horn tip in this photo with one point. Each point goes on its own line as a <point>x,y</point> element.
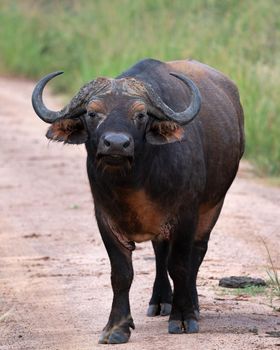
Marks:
<point>39,107</point>
<point>58,72</point>
<point>191,84</point>
<point>184,78</point>
<point>53,74</point>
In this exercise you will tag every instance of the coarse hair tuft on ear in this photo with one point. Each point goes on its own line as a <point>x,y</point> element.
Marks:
<point>162,132</point>
<point>68,131</point>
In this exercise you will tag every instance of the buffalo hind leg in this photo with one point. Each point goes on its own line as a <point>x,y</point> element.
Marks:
<point>182,318</point>
<point>198,252</point>
<point>160,303</point>
<point>206,221</point>
<point>117,330</point>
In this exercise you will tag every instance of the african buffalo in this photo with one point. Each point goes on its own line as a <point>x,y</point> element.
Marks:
<point>163,141</point>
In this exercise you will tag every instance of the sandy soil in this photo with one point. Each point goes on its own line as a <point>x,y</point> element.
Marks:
<point>54,272</point>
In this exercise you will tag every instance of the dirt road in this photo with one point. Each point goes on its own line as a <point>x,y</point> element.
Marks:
<point>54,272</point>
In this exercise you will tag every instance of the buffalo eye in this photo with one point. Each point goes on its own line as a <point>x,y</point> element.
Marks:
<point>141,116</point>
<point>92,114</point>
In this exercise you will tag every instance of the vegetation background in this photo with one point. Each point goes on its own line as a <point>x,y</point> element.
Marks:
<point>102,38</point>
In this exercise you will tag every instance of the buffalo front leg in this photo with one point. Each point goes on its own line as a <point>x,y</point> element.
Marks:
<point>117,330</point>
<point>182,318</point>
<point>160,303</point>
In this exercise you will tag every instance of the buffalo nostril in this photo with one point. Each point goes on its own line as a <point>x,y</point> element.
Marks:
<point>126,144</point>
<point>107,143</point>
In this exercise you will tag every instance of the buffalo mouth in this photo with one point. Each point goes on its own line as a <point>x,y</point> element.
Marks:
<point>114,160</point>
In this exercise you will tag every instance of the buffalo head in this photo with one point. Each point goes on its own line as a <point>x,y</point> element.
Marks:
<point>115,117</point>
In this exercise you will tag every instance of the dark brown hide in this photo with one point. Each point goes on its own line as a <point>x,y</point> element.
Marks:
<point>153,178</point>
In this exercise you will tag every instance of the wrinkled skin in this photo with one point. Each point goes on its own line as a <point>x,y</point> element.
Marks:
<point>157,180</point>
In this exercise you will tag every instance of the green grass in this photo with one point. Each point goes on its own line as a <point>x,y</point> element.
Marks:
<point>248,291</point>
<point>274,279</point>
<point>100,37</point>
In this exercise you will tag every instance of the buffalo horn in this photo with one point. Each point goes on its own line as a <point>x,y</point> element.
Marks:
<point>163,112</point>
<point>43,112</point>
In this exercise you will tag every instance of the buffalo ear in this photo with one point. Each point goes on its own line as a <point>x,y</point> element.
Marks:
<point>68,131</point>
<point>162,132</point>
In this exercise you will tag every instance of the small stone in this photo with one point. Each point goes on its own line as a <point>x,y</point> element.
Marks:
<point>240,282</point>
<point>254,330</point>
<point>274,334</point>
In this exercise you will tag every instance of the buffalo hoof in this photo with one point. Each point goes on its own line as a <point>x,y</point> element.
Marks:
<point>186,326</point>
<point>162,309</point>
<point>116,334</point>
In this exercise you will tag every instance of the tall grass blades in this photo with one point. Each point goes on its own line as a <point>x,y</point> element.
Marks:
<point>101,37</point>
<point>274,279</point>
